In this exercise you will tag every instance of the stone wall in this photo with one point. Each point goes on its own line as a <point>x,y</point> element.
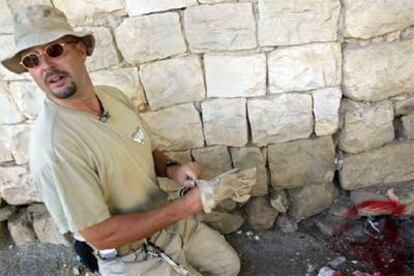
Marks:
<point>319,95</point>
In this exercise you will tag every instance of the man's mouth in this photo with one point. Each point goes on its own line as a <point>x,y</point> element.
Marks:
<point>57,79</point>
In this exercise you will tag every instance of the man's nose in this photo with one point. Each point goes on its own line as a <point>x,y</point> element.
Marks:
<point>46,63</point>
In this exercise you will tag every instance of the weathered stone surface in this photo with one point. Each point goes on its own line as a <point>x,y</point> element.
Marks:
<point>330,225</point>
<point>5,155</point>
<point>292,119</point>
<point>227,26</point>
<point>215,1</point>
<point>9,113</point>
<point>235,76</point>
<point>87,9</point>
<point>286,224</point>
<point>20,228</point>
<point>261,215</point>
<point>225,116</point>
<point>213,160</point>
<point>403,104</point>
<point>379,71</point>
<point>302,163</point>
<point>392,163</point>
<point>408,126</point>
<point>326,104</point>
<point>13,4</point>
<point>366,125</point>
<point>146,38</point>
<point>28,97</point>
<point>305,67</point>
<point>245,158</point>
<point>176,128</point>
<point>279,200</point>
<point>147,6</point>
<point>310,200</point>
<point>6,19</point>
<point>297,22</point>
<point>173,81</point>
<point>223,222</point>
<point>16,186</point>
<point>180,156</point>
<point>44,227</point>
<point>125,79</point>
<point>369,18</point>
<point>105,54</point>
<point>6,212</point>
<point>16,140</point>
<point>341,206</point>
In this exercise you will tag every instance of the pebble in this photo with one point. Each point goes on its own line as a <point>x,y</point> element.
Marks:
<point>256,237</point>
<point>239,232</point>
<point>249,233</point>
<point>337,261</point>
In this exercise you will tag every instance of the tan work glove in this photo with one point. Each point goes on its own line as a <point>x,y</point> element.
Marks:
<point>236,184</point>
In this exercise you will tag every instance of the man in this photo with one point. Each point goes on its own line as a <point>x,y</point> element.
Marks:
<point>94,164</point>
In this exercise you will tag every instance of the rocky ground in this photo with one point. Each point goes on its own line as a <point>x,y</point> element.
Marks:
<point>303,252</point>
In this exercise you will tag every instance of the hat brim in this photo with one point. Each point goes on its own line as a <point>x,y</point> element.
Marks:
<point>12,62</point>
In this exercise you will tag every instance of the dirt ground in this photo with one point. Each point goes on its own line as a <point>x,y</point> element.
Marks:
<point>266,253</point>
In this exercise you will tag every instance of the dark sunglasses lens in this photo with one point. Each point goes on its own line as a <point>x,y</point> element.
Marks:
<point>31,61</point>
<point>54,50</point>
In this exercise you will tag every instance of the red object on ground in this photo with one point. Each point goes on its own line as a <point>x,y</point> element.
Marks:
<point>385,251</point>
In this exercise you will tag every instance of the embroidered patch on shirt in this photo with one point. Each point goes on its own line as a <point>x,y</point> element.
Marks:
<point>138,135</point>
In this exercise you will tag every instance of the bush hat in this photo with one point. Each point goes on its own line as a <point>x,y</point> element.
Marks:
<point>38,25</point>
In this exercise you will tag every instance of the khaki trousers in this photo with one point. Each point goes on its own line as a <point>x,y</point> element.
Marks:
<point>202,250</point>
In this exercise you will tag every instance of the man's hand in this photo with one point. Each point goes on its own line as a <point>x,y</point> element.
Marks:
<point>185,174</point>
<point>236,184</point>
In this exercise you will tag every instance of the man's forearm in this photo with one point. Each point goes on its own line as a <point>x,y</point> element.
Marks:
<point>123,229</point>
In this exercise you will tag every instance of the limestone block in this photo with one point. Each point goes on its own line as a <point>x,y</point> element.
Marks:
<point>227,26</point>
<point>147,6</point>
<point>290,22</point>
<point>9,112</point>
<point>392,163</point>
<point>302,163</point>
<point>310,200</point>
<point>16,186</point>
<point>235,76</point>
<point>173,81</point>
<point>180,156</point>
<point>292,119</point>
<point>326,104</point>
<point>105,54</point>
<point>260,214</point>
<point>248,157</point>
<point>403,104</point>
<point>223,222</point>
<point>126,80</point>
<point>408,126</point>
<point>225,122</point>
<point>44,226</point>
<point>20,228</point>
<point>16,140</point>
<point>13,4</point>
<point>87,9</point>
<point>6,19</point>
<point>5,155</point>
<point>175,128</point>
<point>369,18</point>
<point>366,125</point>
<point>146,38</point>
<point>279,200</point>
<point>28,97</point>
<point>378,71</point>
<point>213,160</point>
<point>215,1</point>
<point>307,67</point>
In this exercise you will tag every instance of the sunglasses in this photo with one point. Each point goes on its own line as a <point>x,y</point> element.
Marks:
<point>53,51</point>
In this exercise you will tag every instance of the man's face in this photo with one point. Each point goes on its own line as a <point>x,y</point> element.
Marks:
<point>60,67</point>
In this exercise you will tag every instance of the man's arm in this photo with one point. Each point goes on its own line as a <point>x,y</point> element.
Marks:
<point>123,229</point>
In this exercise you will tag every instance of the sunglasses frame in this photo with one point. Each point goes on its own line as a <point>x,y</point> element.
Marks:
<point>43,51</point>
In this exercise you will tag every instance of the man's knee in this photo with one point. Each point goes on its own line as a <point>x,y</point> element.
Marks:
<point>231,263</point>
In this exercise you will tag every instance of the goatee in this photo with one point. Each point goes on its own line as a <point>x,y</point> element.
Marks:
<point>66,92</point>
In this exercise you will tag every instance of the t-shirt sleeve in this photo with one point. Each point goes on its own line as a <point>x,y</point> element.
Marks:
<point>72,193</point>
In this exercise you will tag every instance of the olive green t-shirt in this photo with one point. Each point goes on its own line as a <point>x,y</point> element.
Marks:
<point>87,170</point>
